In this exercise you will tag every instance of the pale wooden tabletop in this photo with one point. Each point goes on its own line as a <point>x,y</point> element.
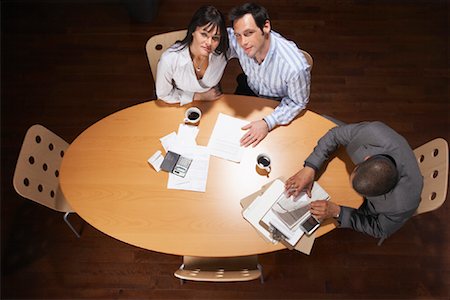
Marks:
<point>108,182</point>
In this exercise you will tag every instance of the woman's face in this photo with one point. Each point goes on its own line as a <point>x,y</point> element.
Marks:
<point>205,39</point>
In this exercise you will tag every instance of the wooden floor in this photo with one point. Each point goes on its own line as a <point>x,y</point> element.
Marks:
<point>66,64</point>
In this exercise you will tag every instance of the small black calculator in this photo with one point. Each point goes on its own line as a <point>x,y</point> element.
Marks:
<point>176,164</point>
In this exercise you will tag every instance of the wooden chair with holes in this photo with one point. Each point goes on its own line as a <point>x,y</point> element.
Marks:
<point>226,269</point>
<point>159,43</point>
<point>36,176</point>
<point>432,158</point>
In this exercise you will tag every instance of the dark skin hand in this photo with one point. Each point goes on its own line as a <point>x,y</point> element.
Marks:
<point>303,180</point>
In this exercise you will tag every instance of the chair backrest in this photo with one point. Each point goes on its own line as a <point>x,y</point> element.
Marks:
<point>308,58</point>
<point>36,176</point>
<point>242,268</point>
<point>432,158</point>
<point>159,43</point>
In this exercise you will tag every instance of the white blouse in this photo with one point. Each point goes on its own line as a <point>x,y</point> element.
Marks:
<point>176,81</point>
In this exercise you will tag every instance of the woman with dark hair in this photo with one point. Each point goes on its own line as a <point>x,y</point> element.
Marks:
<point>192,68</point>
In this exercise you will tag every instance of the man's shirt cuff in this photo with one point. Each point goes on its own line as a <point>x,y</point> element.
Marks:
<point>271,122</point>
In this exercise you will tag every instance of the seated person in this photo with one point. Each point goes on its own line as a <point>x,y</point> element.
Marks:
<point>386,175</point>
<point>192,68</point>
<point>274,68</point>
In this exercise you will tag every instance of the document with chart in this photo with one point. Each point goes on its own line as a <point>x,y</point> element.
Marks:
<point>273,210</point>
<point>286,213</point>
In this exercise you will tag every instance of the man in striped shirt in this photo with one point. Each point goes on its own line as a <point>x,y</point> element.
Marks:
<point>274,68</point>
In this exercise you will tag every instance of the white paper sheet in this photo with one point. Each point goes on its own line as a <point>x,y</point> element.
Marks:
<point>253,214</point>
<point>225,138</point>
<point>156,160</point>
<point>187,135</point>
<point>197,175</point>
<point>168,140</point>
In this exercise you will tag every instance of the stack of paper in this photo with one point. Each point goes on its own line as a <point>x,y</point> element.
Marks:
<point>184,144</point>
<point>224,143</point>
<point>274,210</point>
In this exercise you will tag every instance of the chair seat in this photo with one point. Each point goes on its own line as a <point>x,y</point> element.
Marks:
<point>226,269</point>
<point>218,275</point>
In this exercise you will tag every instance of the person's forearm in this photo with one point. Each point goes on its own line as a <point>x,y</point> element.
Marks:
<point>378,225</point>
<point>284,113</point>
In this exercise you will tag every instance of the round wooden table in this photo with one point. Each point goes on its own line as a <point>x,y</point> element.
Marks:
<point>107,180</point>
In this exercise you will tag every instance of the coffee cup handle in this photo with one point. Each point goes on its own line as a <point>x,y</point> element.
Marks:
<point>268,169</point>
<point>186,120</point>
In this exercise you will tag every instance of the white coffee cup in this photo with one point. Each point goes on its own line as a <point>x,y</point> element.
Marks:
<point>263,162</point>
<point>192,115</point>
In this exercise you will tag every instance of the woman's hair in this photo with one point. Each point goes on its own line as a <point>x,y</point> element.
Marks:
<point>375,176</point>
<point>210,17</point>
<point>259,13</point>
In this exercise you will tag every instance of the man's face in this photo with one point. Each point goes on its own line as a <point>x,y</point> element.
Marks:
<point>250,37</point>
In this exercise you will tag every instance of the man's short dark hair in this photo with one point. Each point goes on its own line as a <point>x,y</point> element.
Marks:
<point>258,12</point>
<point>375,176</point>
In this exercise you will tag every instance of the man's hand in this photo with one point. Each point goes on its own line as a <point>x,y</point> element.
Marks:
<point>257,131</point>
<point>302,180</point>
<point>323,209</point>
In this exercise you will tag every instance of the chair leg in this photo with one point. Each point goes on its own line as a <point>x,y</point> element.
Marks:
<point>260,268</point>
<point>66,219</point>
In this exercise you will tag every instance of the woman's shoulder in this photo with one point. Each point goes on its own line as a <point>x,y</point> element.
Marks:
<point>175,54</point>
<point>174,50</point>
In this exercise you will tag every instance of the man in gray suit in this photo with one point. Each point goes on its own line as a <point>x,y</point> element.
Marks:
<point>386,175</point>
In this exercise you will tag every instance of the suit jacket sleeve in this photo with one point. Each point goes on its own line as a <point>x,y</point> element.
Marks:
<point>379,225</point>
<point>335,137</point>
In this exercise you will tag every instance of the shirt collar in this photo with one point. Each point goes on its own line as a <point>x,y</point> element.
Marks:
<point>185,56</point>
<point>272,48</point>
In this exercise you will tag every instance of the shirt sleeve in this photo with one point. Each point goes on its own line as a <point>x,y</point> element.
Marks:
<point>166,88</point>
<point>294,102</point>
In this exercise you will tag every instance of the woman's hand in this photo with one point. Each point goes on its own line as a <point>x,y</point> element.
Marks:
<point>213,93</point>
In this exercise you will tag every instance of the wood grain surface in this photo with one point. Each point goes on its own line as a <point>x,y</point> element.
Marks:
<point>67,64</point>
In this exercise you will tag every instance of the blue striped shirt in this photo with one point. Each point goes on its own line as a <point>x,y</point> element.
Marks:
<point>283,75</point>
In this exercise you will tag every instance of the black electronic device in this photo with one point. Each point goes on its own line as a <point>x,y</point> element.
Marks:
<point>309,224</point>
<point>176,164</point>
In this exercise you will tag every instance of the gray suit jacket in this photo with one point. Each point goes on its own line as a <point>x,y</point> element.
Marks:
<point>382,215</point>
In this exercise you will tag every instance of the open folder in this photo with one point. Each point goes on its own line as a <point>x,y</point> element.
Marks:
<point>255,208</point>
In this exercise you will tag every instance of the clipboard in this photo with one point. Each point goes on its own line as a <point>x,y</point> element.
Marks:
<point>305,243</point>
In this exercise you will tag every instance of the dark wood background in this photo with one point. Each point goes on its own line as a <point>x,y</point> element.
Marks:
<point>66,64</point>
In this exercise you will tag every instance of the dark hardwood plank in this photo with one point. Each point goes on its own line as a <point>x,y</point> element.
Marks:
<point>66,64</point>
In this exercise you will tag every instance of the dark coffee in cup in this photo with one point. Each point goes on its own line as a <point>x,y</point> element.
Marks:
<point>264,161</point>
<point>263,164</point>
<point>193,115</point>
